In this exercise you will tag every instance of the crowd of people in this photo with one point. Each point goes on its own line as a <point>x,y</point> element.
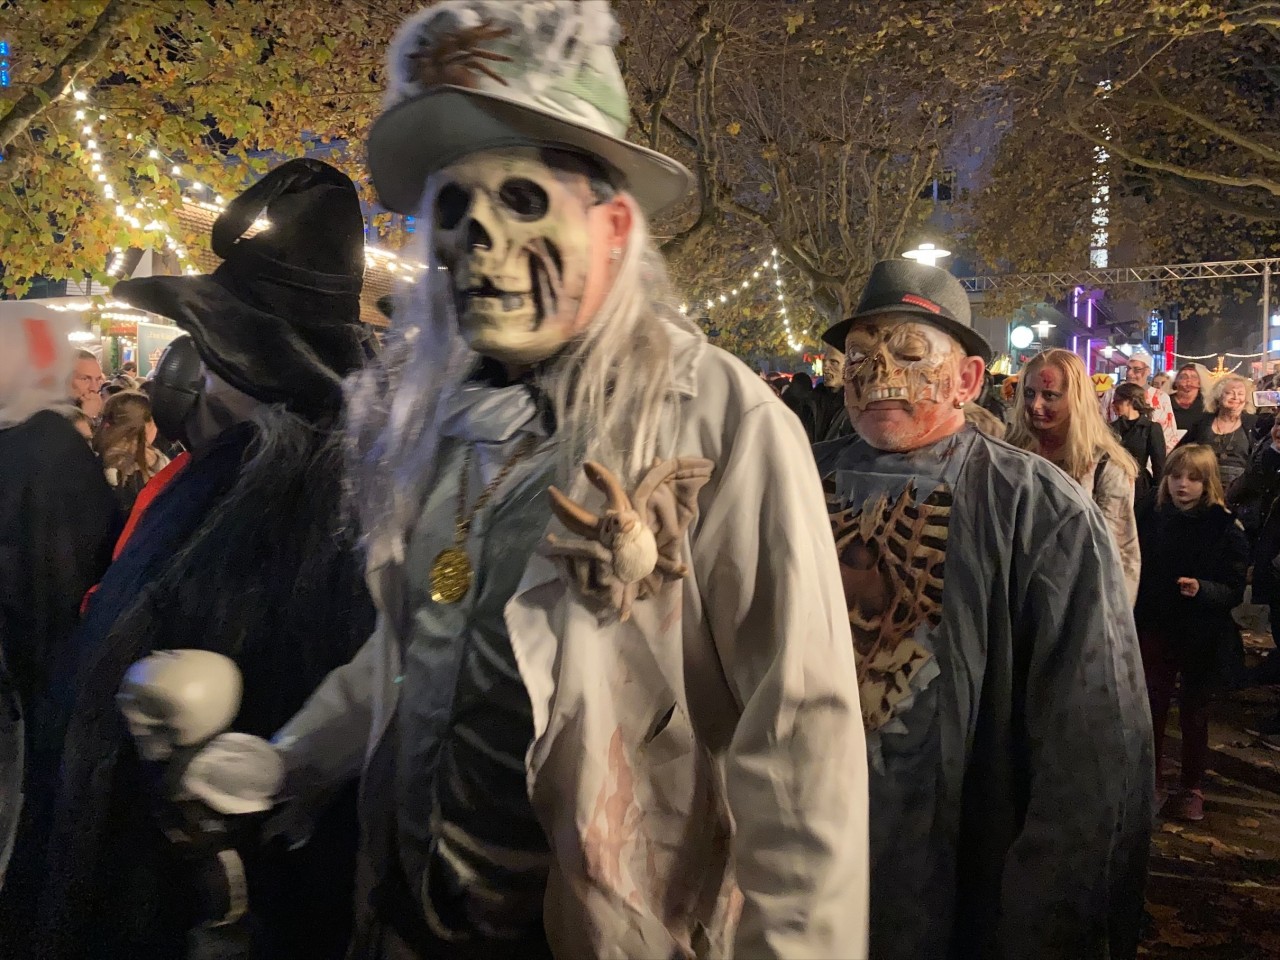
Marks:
<point>545,628</point>
<point>115,417</point>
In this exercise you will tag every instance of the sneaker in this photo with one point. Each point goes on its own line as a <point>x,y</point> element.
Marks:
<point>1186,805</point>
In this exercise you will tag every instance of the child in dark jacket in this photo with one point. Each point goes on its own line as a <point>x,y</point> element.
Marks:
<point>1195,557</point>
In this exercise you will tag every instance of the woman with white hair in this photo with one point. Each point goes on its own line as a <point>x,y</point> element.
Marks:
<point>1055,415</point>
<point>1227,426</point>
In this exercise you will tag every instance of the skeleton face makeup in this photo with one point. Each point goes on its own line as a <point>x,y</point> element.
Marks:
<point>902,383</point>
<point>522,249</point>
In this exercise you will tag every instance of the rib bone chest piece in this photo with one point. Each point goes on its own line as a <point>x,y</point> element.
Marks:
<point>513,233</point>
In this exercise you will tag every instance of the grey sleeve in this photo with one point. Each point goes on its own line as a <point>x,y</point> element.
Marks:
<point>1114,497</point>
<point>1073,879</point>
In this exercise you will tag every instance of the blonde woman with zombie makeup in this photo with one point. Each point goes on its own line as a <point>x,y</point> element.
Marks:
<point>1056,415</point>
<point>1227,426</point>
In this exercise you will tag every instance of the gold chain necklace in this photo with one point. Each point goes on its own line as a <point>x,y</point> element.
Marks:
<point>451,572</point>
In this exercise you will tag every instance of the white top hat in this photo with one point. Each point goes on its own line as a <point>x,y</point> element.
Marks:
<point>473,75</point>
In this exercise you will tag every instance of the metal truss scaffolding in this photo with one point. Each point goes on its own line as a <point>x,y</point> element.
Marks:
<point>1215,270</point>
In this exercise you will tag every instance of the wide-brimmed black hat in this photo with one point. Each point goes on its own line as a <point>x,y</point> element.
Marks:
<point>279,319</point>
<point>931,293</point>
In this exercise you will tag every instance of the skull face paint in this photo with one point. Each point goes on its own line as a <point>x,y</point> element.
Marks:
<point>902,383</point>
<point>516,236</point>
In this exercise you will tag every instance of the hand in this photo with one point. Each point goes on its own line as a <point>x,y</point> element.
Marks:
<point>91,405</point>
<point>1188,586</point>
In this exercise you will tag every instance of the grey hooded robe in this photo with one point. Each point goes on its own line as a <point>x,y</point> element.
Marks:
<point>1008,728</point>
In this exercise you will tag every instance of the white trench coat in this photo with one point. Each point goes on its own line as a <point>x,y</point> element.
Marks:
<point>700,771</point>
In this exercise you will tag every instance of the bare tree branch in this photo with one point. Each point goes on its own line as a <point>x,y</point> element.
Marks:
<point>1189,173</point>
<point>1213,201</point>
<point>712,43</point>
<point>1270,154</point>
<point>702,26</point>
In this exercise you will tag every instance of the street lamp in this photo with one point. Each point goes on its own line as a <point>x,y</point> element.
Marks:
<point>1020,337</point>
<point>927,253</point>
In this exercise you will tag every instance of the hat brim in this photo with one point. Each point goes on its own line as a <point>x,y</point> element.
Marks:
<point>419,136</point>
<point>975,345</point>
<point>256,352</point>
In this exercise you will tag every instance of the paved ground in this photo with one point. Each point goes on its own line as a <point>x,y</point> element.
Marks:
<point>1214,892</point>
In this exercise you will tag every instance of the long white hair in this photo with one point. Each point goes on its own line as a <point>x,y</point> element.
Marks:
<point>1213,396</point>
<point>608,389</point>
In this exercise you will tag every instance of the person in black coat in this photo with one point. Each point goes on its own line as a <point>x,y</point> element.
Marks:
<point>799,399</point>
<point>247,552</point>
<point>828,402</point>
<point>1195,559</point>
<point>1187,399</point>
<point>1139,435</point>
<point>58,520</point>
<point>1256,500</point>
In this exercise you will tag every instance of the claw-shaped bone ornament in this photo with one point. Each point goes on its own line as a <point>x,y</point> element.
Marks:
<point>634,545</point>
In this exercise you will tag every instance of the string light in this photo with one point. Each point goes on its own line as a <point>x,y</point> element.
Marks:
<point>80,306</point>
<point>771,262</point>
<point>94,159</point>
<point>1210,356</point>
<point>93,156</point>
<point>782,301</point>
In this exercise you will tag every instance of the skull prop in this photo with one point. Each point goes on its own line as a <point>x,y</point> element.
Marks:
<point>902,382</point>
<point>516,238</point>
<point>178,698</point>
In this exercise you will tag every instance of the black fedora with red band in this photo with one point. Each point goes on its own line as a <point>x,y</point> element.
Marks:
<point>931,293</point>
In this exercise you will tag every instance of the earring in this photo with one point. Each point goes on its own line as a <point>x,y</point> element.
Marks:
<point>957,403</point>
<point>615,254</point>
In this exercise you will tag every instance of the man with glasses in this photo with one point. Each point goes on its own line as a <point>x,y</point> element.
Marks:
<point>1137,371</point>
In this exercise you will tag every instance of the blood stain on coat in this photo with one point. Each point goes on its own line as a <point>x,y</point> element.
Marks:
<point>615,822</point>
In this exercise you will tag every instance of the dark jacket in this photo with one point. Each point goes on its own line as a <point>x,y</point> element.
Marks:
<point>57,523</point>
<point>799,397</point>
<point>245,553</point>
<point>1184,417</point>
<point>1233,449</point>
<point>1253,500</point>
<point>1145,442</point>
<point>1207,544</point>
<point>1010,801</point>
<point>828,406</point>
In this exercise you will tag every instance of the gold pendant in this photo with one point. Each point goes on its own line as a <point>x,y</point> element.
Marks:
<point>450,576</point>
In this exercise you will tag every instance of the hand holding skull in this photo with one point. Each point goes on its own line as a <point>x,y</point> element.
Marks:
<point>633,547</point>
